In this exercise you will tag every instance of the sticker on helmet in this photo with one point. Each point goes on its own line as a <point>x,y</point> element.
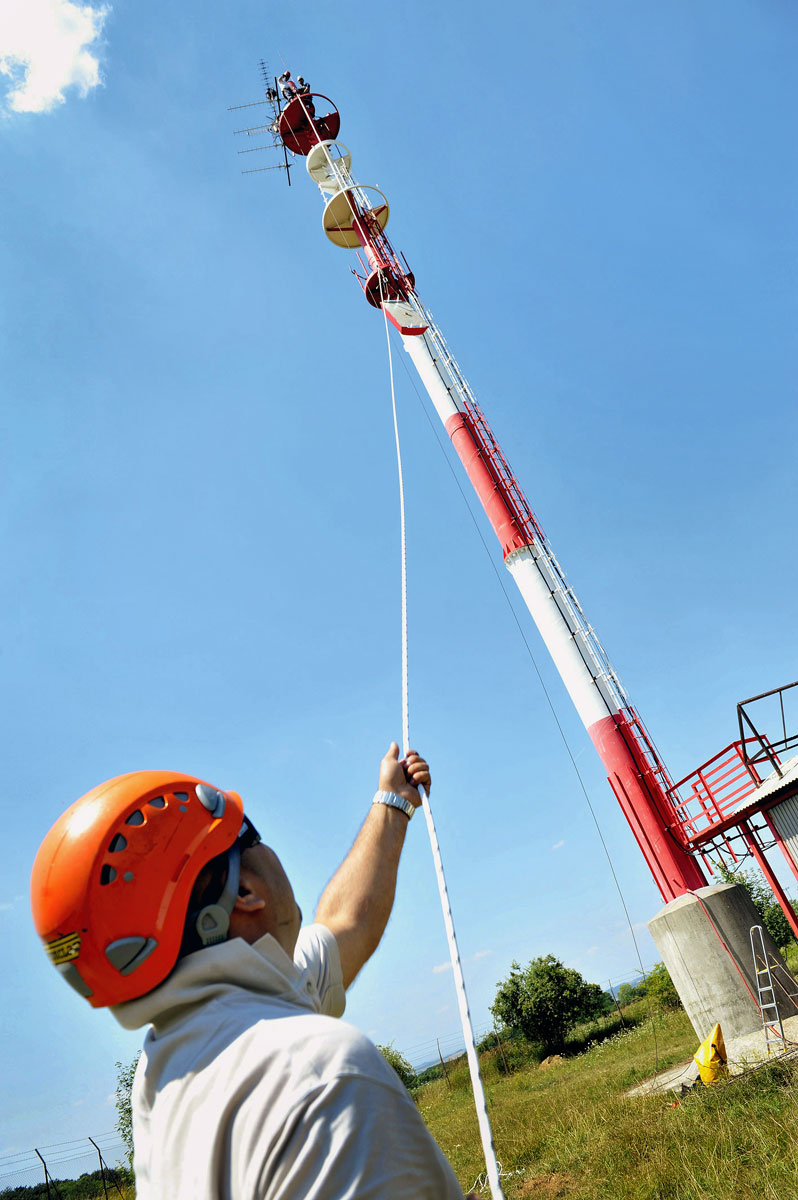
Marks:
<point>64,949</point>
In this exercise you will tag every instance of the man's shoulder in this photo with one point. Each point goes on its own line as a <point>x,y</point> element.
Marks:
<point>299,1055</point>
<point>321,1046</point>
<point>272,1048</point>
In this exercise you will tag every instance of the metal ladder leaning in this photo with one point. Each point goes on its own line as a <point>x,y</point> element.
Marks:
<point>766,993</point>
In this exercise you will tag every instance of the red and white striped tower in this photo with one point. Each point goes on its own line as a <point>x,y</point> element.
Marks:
<point>355,218</point>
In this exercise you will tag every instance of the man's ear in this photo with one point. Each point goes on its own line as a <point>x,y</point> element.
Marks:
<point>248,900</point>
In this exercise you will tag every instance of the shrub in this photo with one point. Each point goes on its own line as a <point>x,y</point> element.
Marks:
<point>763,901</point>
<point>124,1109</point>
<point>628,992</point>
<point>510,1050</point>
<point>400,1064</point>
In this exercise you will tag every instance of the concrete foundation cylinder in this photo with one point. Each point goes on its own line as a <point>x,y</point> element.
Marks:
<point>704,939</point>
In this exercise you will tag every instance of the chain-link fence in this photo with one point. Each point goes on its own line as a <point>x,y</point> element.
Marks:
<point>100,1161</point>
<point>450,1043</point>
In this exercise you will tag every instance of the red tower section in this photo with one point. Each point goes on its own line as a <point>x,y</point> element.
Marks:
<point>301,126</point>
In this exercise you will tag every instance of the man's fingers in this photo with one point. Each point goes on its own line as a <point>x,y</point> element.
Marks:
<point>416,770</point>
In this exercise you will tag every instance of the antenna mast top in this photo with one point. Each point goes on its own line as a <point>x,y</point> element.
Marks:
<point>355,215</point>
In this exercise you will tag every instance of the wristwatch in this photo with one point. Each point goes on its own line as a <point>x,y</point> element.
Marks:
<point>394,801</point>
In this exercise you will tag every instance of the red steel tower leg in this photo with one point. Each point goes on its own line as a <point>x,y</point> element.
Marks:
<point>755,846</point>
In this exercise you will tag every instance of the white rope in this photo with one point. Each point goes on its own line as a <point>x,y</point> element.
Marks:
<point>482,1180</point>
<point>480,1104</point>
<point>403,536</point>
<point>486,1135</point>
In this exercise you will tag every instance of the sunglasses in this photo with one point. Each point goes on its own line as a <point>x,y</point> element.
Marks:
<point>248,836</point>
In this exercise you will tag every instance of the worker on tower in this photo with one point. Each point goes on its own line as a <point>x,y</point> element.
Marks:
<point>155,896</point>
<point>287,86</point>
<point>303,90</point>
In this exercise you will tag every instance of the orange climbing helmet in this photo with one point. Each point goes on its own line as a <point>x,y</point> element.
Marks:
<point>112,880</point>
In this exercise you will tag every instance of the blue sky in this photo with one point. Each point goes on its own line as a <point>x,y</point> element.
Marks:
<point>200,527</point>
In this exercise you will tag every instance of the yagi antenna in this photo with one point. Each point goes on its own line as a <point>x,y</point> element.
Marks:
<point>272,100</point>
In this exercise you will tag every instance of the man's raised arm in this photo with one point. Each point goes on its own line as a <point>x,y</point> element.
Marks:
<point>358,899</point>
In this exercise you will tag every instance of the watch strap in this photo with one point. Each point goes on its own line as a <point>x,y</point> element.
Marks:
<point>395,801</point>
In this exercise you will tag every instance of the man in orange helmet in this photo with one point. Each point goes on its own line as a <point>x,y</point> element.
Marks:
<point>155,896</point>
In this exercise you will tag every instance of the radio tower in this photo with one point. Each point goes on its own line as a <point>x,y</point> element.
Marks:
<point>743,797</point>
<point>354,218</point>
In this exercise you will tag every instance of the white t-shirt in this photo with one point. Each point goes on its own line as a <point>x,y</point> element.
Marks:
<point>249,1089</point>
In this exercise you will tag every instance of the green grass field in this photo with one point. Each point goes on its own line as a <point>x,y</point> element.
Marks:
<point>570,1131</point>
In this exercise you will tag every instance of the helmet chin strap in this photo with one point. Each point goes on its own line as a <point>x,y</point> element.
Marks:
<point>213,921</point>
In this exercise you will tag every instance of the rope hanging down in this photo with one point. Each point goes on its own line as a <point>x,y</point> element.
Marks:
<point>486,1135</point>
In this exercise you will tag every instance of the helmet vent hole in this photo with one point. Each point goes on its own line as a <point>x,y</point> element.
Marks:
<point>117,843</point>
<point>157,802</point>
<point>107,875</point>
<point>135,818</point>
<point>182,797</point>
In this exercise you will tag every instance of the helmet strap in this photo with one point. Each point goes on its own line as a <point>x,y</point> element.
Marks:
<point>213,921</point>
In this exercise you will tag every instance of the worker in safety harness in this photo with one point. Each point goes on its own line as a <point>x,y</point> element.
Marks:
<point>155,895</point>
<point>287,86</point>
<point>303,90</point>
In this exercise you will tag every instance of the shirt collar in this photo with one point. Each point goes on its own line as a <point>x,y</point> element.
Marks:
<point>262,968</point>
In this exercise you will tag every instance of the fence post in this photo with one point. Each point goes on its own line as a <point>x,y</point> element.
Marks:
<point>617,1005</point>
<point>47,1177</point>
<point>443,1064</point>
<point>501,1050</point>
<point>102,1166</point>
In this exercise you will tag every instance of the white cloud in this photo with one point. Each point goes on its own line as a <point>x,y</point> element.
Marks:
<point>558,845</point>
<point>482,953</point>
<point>44,49</point>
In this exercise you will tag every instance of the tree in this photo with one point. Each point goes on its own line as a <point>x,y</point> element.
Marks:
<point>763,901</point>
<point>545,999</point>
<point>607,1003</point>
<point>124,1111</point>
<point>661,988</point>
<point>400,1065</point>
<point>626,993</point>
<point>631,991</point>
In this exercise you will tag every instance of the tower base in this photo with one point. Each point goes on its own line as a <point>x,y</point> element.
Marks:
<point>704,938</point>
